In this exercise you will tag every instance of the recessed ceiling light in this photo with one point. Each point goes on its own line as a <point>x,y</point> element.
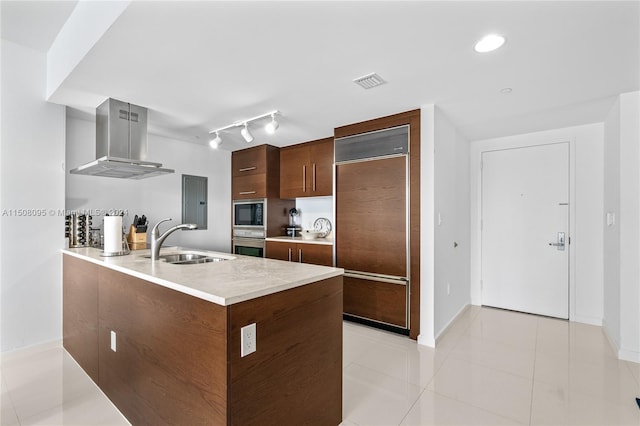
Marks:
<point>506,90</point>
<point>489,43</point>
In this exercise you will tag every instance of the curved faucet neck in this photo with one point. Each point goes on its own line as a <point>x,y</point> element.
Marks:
<point>157,239</point>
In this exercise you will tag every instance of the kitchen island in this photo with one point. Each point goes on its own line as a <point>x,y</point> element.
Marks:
<point>163,341</point>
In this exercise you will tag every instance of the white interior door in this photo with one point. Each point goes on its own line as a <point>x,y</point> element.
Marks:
<point>525,205</point>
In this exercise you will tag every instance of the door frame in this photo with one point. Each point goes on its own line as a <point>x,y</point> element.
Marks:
<point>516,141</point>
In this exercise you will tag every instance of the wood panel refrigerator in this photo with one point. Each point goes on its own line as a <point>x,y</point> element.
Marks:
<point>372,226</point>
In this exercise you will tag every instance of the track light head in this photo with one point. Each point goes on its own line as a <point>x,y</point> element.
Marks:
<point>215,142</point>
<point>272,126</point>
<point>246,134</point>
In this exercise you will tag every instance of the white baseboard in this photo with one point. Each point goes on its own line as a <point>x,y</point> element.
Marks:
<point>424,341</point>
<point>586,320</point>
<point>454,319</point>
<point>632,356</point>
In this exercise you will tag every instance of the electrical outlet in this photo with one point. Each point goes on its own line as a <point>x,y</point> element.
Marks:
<point>248,339</point>
<point>448,289</point>
<point>113,340</point>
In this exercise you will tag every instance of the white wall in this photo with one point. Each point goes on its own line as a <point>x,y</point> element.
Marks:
<point>622,256</point>
<point>31,158</point>
<point>427,335</point>
<point>451,222</point>
<point>444,209</point>
<point>630,226</point>
<point>311,208</point>
<point>156,197</point>
<point>611,233</point>
<point>586,257</point>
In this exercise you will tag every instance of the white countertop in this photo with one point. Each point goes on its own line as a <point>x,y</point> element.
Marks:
<point>231,281</point>
<point>325,241</point>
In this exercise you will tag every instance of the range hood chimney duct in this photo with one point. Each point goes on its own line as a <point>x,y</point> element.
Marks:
<point>121,143</point>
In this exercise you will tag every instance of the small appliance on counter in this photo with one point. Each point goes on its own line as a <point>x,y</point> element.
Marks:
<point>137,236</point>
<point>78,230</point>
<point>293,230</point>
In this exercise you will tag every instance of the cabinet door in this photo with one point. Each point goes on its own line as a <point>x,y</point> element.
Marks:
<point>295,176</point>
<point>249,186</point>
<point>80,313</point>
<point>170,363</point>
<point>279,251</point>
<point>249,161</point>
<point>317,254</point>
<point>321,156</point>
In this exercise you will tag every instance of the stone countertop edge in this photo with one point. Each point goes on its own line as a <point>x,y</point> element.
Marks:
<point>223,283</point>
<point>323,241</point>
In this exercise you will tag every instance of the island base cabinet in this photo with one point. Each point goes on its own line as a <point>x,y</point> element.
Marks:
<point>80,313</point>
<point>295,375</point>
<point>176,358</point>
<point>169,364</point>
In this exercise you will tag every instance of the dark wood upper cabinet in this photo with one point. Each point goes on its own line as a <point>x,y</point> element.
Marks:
<point>255,173</point>
<point>306,170</point>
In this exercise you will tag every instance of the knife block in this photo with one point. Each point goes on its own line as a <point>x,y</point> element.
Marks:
<point>136,240</point>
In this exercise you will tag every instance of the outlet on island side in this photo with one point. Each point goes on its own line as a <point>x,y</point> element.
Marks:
<point>248,339</point>
<point>113,340</point>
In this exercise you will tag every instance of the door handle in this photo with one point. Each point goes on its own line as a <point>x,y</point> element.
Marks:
<point>560,242</point>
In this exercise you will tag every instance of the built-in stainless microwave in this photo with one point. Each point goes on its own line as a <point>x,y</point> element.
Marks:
<point>249,213</point>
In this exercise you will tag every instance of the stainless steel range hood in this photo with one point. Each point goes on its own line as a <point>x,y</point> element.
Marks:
<point>121,143</point>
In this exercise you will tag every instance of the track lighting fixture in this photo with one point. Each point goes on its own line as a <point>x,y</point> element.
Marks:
<point>215,143</point>
<point>270,128</point>
<point>246,134</point>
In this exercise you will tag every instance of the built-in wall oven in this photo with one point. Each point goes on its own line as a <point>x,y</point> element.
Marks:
<point>249,227</point>
<point>248,246</point>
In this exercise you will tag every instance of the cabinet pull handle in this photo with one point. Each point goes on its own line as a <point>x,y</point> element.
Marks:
<point>314,177</point>
<point>247,169</point>
<point>304,178</point>
<point>289,254</point>
<point>247,192</point>
<point>300,255</point>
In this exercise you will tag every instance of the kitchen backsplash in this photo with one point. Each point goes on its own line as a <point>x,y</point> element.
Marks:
<point>311,208</point>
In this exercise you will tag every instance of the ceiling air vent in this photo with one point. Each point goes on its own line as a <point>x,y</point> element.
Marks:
<point>369,81</point>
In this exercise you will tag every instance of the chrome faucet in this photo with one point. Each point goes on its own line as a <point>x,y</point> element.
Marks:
<point>157,239</point>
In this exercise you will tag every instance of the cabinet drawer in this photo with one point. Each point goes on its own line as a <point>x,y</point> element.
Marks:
<point>250,186</point>
<point>377,301</point>
<point>250,161</point>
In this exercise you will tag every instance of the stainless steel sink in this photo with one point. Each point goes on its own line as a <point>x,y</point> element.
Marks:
<point>182,257</point>
<point>188,258</point>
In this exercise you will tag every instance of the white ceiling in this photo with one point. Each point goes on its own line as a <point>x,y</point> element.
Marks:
<point>202,65</point>
<point>34,24</point>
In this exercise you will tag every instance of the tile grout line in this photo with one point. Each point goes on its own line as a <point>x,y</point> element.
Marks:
<point>533,376</point>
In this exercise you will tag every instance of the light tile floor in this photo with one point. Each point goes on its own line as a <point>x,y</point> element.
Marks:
<point>492,367</point>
